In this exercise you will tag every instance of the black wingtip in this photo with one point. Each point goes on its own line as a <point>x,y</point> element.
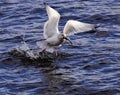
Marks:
<point>97,25</point>
<point>44,3</point>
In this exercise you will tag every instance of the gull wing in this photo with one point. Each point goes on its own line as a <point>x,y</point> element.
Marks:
<point>51,26</point>
<point>73,27</point>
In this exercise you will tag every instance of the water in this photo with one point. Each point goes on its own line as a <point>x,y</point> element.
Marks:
<point>90,67</point>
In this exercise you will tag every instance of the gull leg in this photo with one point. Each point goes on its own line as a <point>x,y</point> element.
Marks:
<point>43,52</point>
<point>55,54</point>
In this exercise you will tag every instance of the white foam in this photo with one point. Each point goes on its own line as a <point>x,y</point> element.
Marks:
<point>25,50</point>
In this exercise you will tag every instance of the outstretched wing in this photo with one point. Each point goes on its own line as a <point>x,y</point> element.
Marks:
<point>73,27</point>
<point>51,26</point>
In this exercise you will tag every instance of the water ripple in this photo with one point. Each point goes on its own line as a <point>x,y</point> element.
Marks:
<point>89,67</point>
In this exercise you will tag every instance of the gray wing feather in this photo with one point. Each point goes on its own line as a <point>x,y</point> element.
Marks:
<point>51,26</point>
<point>73,27</point>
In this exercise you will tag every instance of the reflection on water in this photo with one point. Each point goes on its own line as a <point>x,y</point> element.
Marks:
<point>89,67</point>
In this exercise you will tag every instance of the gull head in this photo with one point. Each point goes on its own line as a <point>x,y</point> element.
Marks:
<point>62,36</point>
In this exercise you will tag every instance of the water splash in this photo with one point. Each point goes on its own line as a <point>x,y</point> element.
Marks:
<point>26,51</point>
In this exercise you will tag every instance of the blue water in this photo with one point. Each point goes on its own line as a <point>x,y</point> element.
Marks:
<point>90,67</point>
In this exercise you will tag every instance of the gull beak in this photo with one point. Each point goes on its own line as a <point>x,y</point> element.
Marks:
<point>67,38</point>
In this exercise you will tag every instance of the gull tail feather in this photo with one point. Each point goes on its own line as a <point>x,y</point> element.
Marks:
<point>44,45</point>
<point>41,44</point>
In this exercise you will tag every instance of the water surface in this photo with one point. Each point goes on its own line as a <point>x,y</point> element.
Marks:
<point>90,67</point>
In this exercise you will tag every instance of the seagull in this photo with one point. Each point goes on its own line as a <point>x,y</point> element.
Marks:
<point>54,38</point>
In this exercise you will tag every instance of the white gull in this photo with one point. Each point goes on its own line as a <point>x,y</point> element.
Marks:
<point>54,38</point>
